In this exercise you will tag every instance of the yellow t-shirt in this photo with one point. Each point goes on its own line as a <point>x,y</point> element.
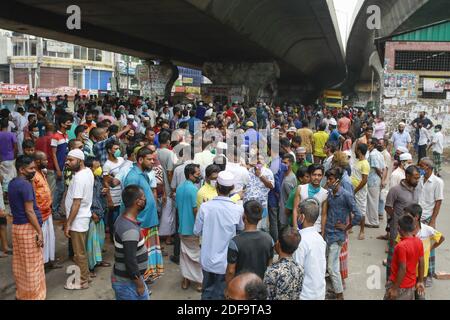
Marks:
<point>361,168</point>
<point>208,192</point>
<point>429,237</point>
<point>320,139</point>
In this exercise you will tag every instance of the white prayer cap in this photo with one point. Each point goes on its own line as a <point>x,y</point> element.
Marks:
<point>333,122</point>
<point>76,153</point>
<point>130,116</point>
<point>222,145</point>
<point>300,150</point>
<point>402,124</point>
<point>402,149</point>
<point>405,157</point>
<point>225,178</point>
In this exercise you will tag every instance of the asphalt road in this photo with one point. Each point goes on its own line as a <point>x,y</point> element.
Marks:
<point>366,272</point>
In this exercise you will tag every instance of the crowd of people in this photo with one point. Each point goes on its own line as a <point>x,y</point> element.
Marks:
<point>257,200</point>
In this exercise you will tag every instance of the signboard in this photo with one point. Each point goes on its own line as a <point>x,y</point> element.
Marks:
<point>24,65</point>
<point>142,72</point>
<point>61,91</point>
<point>56,46</point>
<point>436,85</point>
<point>14,89</point>
<point>194,90</point>
<point>122,67</point>
<point>188,80</point>
<point>44,92</point>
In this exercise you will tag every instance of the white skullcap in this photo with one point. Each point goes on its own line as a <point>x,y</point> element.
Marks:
<point>76,153</point>
<point>405,157</point>
<point>333,122</point>
<point>225,178</point>
<point>300,150</point>
<point>402,124</point>
<point>402,149</point>
<point>130,116</point>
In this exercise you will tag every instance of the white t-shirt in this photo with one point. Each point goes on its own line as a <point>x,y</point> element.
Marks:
<point>321,196</point>
<point>431,191</point>
<point>438,140</point>
<point>113,169</point>
<point>424,136</point>
<point>81,187</point>
<point>241,175</point>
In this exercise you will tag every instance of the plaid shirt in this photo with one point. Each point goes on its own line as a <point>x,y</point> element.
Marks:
<point>99,150</point>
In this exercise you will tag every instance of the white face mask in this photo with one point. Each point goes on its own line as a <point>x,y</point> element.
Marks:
<point>36,134</point>
<point>213,183</point>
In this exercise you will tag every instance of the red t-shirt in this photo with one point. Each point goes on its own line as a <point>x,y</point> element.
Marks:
<point>409,250</point>
<point>43,144</point>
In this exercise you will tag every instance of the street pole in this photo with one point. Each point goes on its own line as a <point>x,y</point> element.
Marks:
<point>30,81</point>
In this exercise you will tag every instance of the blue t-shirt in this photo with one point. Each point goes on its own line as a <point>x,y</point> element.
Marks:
<point>186,201</point>
<point>19,192</point>
<point>334,136</point>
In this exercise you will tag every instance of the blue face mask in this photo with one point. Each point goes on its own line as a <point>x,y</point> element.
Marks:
<point>422,172</point>
<point>117,153</point>
<point>284,167</point>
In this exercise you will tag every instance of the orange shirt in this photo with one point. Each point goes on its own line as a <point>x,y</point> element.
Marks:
<point>43,195</point>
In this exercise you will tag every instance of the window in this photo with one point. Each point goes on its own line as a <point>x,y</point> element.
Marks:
<point>422,60</point>
<point>94,55</point>
<point>78,78</point>
<point>91,54</point>
<point>79,53</point>
<point>19,48</point>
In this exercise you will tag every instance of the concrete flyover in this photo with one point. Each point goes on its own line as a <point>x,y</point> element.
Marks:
<point>300,37</point>
<point>396,16</point>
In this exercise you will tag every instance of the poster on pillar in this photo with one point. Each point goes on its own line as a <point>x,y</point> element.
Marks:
<point>154,85</point>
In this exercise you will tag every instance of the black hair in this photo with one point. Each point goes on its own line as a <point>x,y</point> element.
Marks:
<point>374,141</point>
<point>23,161</point>
<point>71,143</point>
<point>305,123</point>
<point>301,172</point>
<point>130,150</point>
<point>335,172</point>
<point>113,129</point>
<point>28,144</point>
<point>212,168</point>
<point>289,239</point>
<point>224,190</point>
<point>411,170</point>
<point>4,123</point>
<point>79,129</point>
<point>142,153</point>
<point>297,139</point>
<point>314,167</point>
<point>190,169</point>
<point>253,211</point>
<point>256,290</point>
<point>414,209</point>
<point>362,147</point>
<point>284,142</point>
<point>89,162</point>
<point>164,137</point>
<point>64,117</point>
<point>332,146</point>
<point>111,144</point>
<point>183,125</point>
<point>406,223</point>
<point>322,126</point>
<point>290,157</point>
<point>130,194</point>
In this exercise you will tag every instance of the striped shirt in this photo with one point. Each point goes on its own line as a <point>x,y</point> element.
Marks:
<point>130,254</point>
<point>59,141</point>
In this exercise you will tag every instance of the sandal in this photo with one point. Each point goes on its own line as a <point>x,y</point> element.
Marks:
<point>185,284</point>
<point>104,264</point>
<point>3,255</point>
<point>361,236</point>
<point>199,288</point>
<point>82,286</point>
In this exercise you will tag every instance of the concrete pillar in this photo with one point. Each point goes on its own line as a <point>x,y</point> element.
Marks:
<point>157,80</point>
<point>258,79</point>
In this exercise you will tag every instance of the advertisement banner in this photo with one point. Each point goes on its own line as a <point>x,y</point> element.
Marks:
<point>194,90</point>
<point>188,80</point>
<point>434,85</point>
<point>14,89</point>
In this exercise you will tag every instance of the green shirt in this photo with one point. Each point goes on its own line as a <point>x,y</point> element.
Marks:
<point>297,166</point>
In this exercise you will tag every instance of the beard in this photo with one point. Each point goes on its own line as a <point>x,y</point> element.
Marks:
<point>76,167</point>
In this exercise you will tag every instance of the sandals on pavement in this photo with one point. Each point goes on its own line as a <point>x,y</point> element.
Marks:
<point>82,286</point>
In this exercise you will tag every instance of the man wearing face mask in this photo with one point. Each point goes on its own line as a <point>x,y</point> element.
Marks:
<point>288,184</point>
<point>399,174</point>
<point>89,121</point>
<point>148,217</point>
<point>78,211</point>
<point>130,252</point>
<point>111,169</point>
<point>341,206</point>
<point>44,203</point>
<point>401,138</point>
<point>187,205</point>
<point>27,236</point>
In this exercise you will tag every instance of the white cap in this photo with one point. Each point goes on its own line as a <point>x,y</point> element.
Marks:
<point>76,153</point>
<point>211,105</point>
<point>405,157</point>
<point>402,149</point>
<point>225,178</point>
<point>130,116</point>
<point>333,122</point>
<point>292,129</point>
<point>300,150</point>
<point>402,124</point>
<point>222,145</point>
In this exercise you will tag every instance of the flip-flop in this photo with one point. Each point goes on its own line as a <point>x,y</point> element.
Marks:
<point>81,287</point>
<point>3,255</point>
<point>104,264</point>
<point>362,238</point>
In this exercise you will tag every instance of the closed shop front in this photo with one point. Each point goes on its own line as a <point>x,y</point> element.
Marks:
<point>97,79</point>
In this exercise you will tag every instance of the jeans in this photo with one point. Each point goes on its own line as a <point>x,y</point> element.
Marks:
<point>213,286</point>
<point>110,218</point>
<point>58,194</point>
<point>273,222</point>
<point>125,290</point>
<point>333,266</point>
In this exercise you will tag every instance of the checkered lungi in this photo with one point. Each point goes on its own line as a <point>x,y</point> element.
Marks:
<point>343,259</point>
<point>28,264</point>
<point>432,260</point>
<point>391,247</point>
<point>437,157</point>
